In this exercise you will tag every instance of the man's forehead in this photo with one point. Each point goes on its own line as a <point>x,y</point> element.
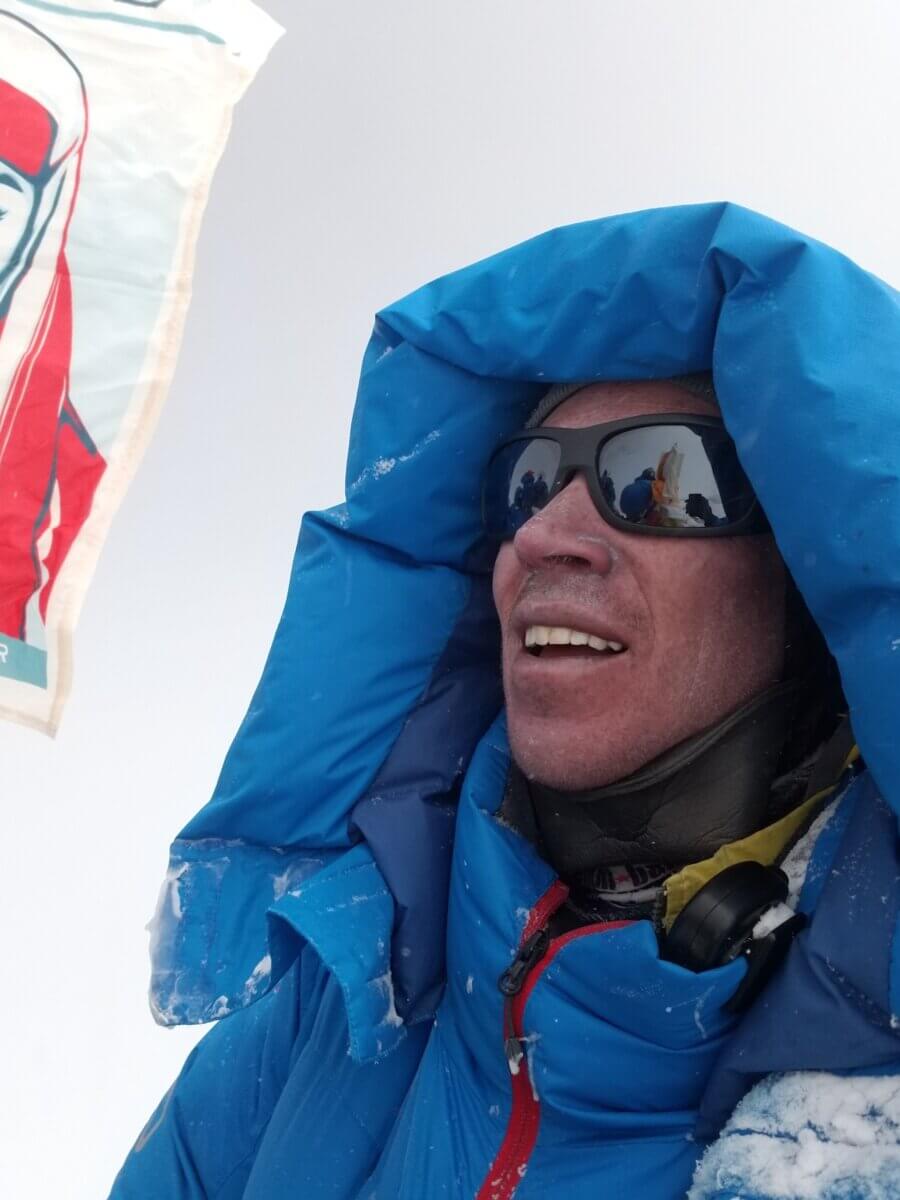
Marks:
<point>599,402</point>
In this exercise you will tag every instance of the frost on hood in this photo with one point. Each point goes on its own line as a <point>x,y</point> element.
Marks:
<point>289,881</point>
<point>168,904</point>
<point>183,957</point>
<point>169,1001</point>
<point>385,986</point>
<point>259,977</point>
<point>383,466</point>
<point>808,1135</point>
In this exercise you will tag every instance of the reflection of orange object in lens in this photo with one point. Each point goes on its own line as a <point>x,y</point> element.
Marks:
<point>665,487</point>
<point>659,483</point>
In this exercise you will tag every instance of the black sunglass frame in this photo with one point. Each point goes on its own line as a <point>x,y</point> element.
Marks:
<point>580,451</point>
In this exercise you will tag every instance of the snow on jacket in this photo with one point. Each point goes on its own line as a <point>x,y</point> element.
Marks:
<point>348,899</point>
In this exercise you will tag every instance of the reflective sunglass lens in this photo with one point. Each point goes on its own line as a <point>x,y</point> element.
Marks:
<point>518,483</point>
<point>674,477</point>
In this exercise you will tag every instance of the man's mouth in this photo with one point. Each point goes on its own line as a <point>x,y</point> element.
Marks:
<point>562,641</point>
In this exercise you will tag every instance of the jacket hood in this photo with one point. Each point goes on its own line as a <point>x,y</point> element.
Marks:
<point>383,673</point>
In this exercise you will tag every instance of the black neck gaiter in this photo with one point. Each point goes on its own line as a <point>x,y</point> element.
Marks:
<point>680,808</point>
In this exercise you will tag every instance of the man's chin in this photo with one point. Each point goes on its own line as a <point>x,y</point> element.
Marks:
<point>565,754</point>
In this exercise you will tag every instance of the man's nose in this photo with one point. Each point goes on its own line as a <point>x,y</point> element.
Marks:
<point>568,531</point>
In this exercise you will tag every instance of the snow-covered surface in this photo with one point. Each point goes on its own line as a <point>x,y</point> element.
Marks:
<point>771,919</point>
<point>808,1136</point>
<point>796,862</point>
<point>795,866</point>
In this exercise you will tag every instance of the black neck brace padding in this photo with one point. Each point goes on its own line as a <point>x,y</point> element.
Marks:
<point>681,807</point>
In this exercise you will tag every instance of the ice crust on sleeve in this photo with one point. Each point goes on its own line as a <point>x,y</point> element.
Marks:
<point>808,1135</point>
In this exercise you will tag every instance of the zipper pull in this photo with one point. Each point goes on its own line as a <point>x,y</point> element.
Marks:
<point>513,1049</point>
<point>529,954</point>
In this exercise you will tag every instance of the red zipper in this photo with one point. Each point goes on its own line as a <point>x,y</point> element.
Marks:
<point>536,951</point>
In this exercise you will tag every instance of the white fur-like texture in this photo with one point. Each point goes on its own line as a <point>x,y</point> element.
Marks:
<point>808,1135</point>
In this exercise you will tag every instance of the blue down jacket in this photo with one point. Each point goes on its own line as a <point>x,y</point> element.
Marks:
<point>345,903</point>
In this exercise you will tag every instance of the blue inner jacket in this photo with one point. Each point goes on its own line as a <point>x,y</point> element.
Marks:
<point>332,823</point>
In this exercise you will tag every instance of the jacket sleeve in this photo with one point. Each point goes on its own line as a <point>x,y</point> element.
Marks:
<point>808,1133</point>
<point>201,1141</point>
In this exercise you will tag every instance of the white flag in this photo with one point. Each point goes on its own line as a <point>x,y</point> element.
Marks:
<point>113,116</point>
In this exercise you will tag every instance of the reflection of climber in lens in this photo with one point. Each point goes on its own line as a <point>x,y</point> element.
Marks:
<point>49,465</point>
<point>698,507</point>
<point>531,496</point>
<point>608,488</point>
<point>637,498</point>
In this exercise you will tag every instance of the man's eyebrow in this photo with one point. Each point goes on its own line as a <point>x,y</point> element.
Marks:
<point>10,181</point>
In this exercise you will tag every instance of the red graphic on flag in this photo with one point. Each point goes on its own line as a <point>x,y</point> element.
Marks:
<point>49,464</point>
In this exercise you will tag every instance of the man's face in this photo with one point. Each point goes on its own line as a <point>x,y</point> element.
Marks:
<point>701,621</point>
<point>17,195</point>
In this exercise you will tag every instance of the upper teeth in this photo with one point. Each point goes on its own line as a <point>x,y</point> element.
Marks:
<point>560,635</point>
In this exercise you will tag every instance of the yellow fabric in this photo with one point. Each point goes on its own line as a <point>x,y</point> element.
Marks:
<point>765,846</point>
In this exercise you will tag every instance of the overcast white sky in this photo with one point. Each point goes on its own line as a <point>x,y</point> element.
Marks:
<point>381,146</point>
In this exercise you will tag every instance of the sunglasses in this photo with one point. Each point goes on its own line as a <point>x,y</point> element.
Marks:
<point>666,475</point>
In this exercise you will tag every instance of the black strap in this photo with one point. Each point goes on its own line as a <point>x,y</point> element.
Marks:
<point>831,760</point>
